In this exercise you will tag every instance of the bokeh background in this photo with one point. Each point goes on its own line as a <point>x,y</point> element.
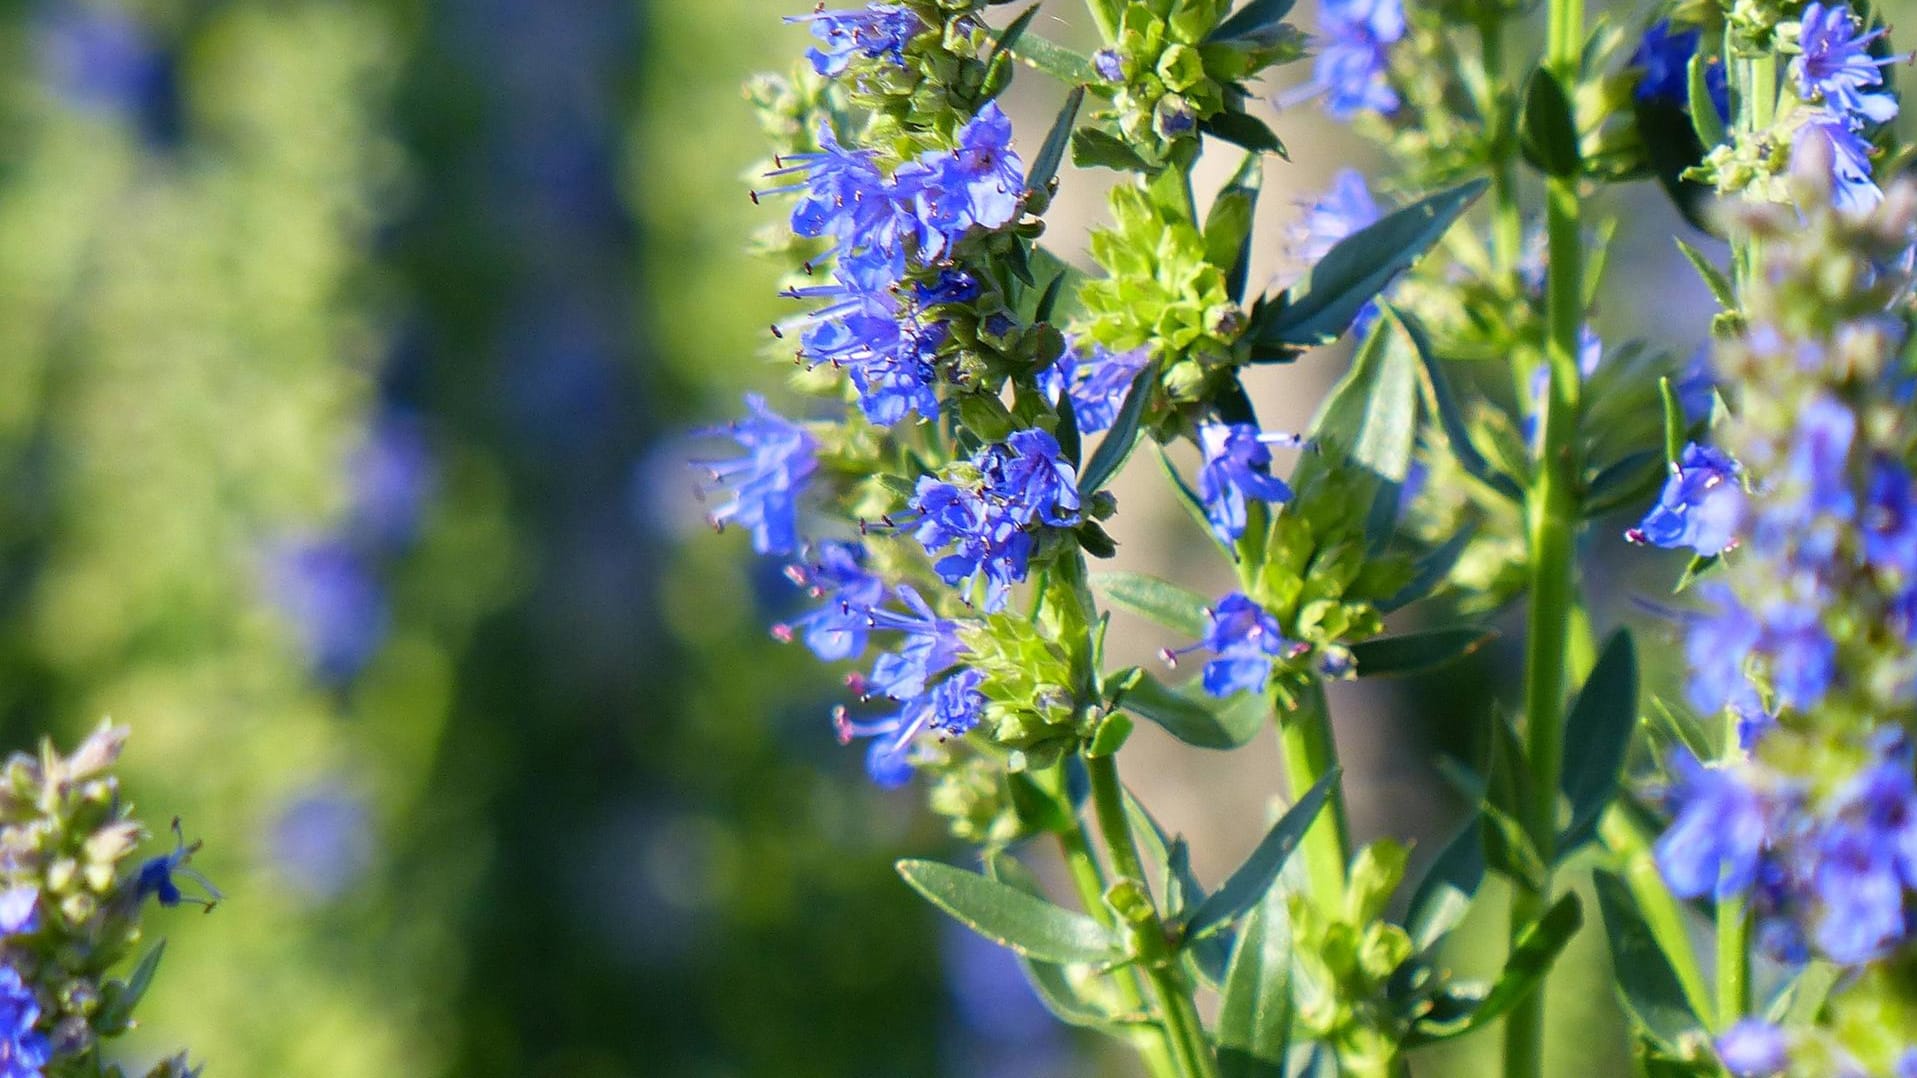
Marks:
<point>348,355</point>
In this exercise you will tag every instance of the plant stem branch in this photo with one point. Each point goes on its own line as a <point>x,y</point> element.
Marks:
<point>1154,1045</point>
<point>1311,752</point>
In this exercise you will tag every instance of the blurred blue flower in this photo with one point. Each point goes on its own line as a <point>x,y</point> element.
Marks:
<point>1717,639</point>
<point>1664,59</point>
<point>328,588</point>
<point>1236,471</point>
<point>1246,640</point>
<point>1345,207</point>
<point>947,709</point>
<point>322,841</point>
<point>1715,842</point>
<point>764,485</point>
<point>392,478</point>
<point>1847,154</point>
<point>102,59</point>
<point>19,909</point>
<point>1003,1029</point>
<point>1354,55</point>
<point>1701,506</point>
<point>849,594</point>
<point>1097,381</point>
<point>1890,520</point>
<point>1753,1048</point>
<point>23,1051</point>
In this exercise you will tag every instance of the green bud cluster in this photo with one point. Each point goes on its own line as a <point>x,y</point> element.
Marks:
<point>1347,959</point>
<point>1161,290</point>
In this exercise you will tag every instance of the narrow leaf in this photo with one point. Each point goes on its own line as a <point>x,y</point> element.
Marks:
<point>1444,896</point>
<point>1117,445</point>
<point>1095,147</point>
<point>1244,130</point>
<point>1628,480</point>
<point>1009,37</point>
<point>1372,414</point>
<point>1547,130</point>
<point>1704,115</point>
<point>1248,885</point>
<point>1049,980</point>
<point>1714,278</point>
<point>1228,225</point>
<point>1177,608</point>
<point>1254,1016</point>
<point>119,998</point>
<point>1255,20</point>
<point>1597,735</point>
<point>1430,571</point>
<point>1193,716</point>
<point>1319,308</point>
<point>1799,1002</point>
<point>1052,152</point>
<point>1532,956</point>
<point>1009,917</point>
<point>1646,984</point>
<point>1444,405</point>
<point>1055,60</point>
<point>1418,653</point>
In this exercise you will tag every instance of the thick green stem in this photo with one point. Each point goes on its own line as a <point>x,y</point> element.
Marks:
<point>1507,222</point>
<point>1310,753</point>
<point>1182,1025</point>
<point>1552,516</point>
<point>1153,1044</point>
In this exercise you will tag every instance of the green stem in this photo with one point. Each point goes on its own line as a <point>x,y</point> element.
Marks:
<point>1507,222</point>
<point>1663,913</point>
<point>1153,1045</point>
<point>1183,1028</point>
<point>1733,923</point>
<point>1552,512</point>
<point>1105,16</point>
<point>1310,753</point>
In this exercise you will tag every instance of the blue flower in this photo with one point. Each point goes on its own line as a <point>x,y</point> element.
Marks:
<point>1847,153</point>
<point>1865,858</point>
<point>23,1050</point>
<point>1753,1048</point>
<point>1024,483</point>
<point>1907,1064</point>
<point>392,474</point>
<point>1097,383</point>
<point>764,484</point>
<point>1237,469</point>
<point>103,60</point>
<point>330,591</point>
<point>1716,641</point>
<point>1799,654</point>
<point>1834,65</point>
<point>948,709</point>
<point>849,593</point>
<point>1717,839</point>
<point>842,195</point>
<point>979,182</point>
<point>879,31</point>
<point>155,878</point>
<point>1890,520</point>
<point>1246,640</point>
<point>1354,55</point>
<point>19,910</point>
<point>1032,479</point>
<point>1701,507</point>
<point>1344,208</point>
<point>930,647</point>
<point>1664,58</point>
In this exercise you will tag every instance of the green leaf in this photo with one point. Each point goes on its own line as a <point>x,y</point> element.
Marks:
<point>1228,225</point>
<point>1430,571</point>
<point>1047,302</point>
<point>1119,441</point>
<point>1026,924</point>
<point>1193,716</point>
<point>1161,601</point>
<point>1252,22</point>
<point>1675,432</point>
<point>1682,729</point>
<point>1247,886</point>
<point>1009,37</point>
<point>1628,480</point>
<point>1095,147</point>
<point>119,998</point>
<point>1051,268</point>
<point>1546,129</point>
<point>1055,60</point>
<point>1509,849</point>
<point>1052,152</point>
<point>1798,1003</point>
<point>1372,414</point>
<point>1444,895</point>
<point>1444,405</point>
<point>1532,956</point>
<point>1244,130</point>
<point>1648,987</point>
<point>1704,117</point>
<point>1420,652</point>
<point>1049,980</point>
<point>1714,278</point>
<point>1254,1015</point>
<point>1597,735</point>
<point>1319,308</point>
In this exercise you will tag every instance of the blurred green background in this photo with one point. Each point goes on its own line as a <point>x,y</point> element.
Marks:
<point>347,354</point>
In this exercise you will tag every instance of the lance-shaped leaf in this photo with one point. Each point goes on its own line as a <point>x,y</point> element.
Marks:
<point>1052,152</point>
<point>1371,416</point>
<point>1597,734</point>
<point>1195,717</point>
<point>1627,481</point>
<point>119,998</point>
<point>1798,1003</point>
<point>1548,134</point>
<point>1255,21</point>
<point>1176,608</point>
<point>1418,653</point>
<point>1119,441</point>
<point>1245,131</point>
<point>1228,225</point>
<point>1430,571</point>
<point>1254,1016</point>
<point>1714,278</point>
<point>1444,405</point>
<point>1319,308</point>
<point>1704,116</point>
<point>1675,428</point>
<point>1445,893</point>
<point>1649,988</point>
<point>1247,886</point>
<point>1014,32</point>
<point>1054,59</point>
<point>1095,147</point>
<point>1532,955</point>
<point>1049,980</point>
<point>1009,917</point>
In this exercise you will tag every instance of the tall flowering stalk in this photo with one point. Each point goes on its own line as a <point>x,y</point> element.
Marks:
<point>977,395</point>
